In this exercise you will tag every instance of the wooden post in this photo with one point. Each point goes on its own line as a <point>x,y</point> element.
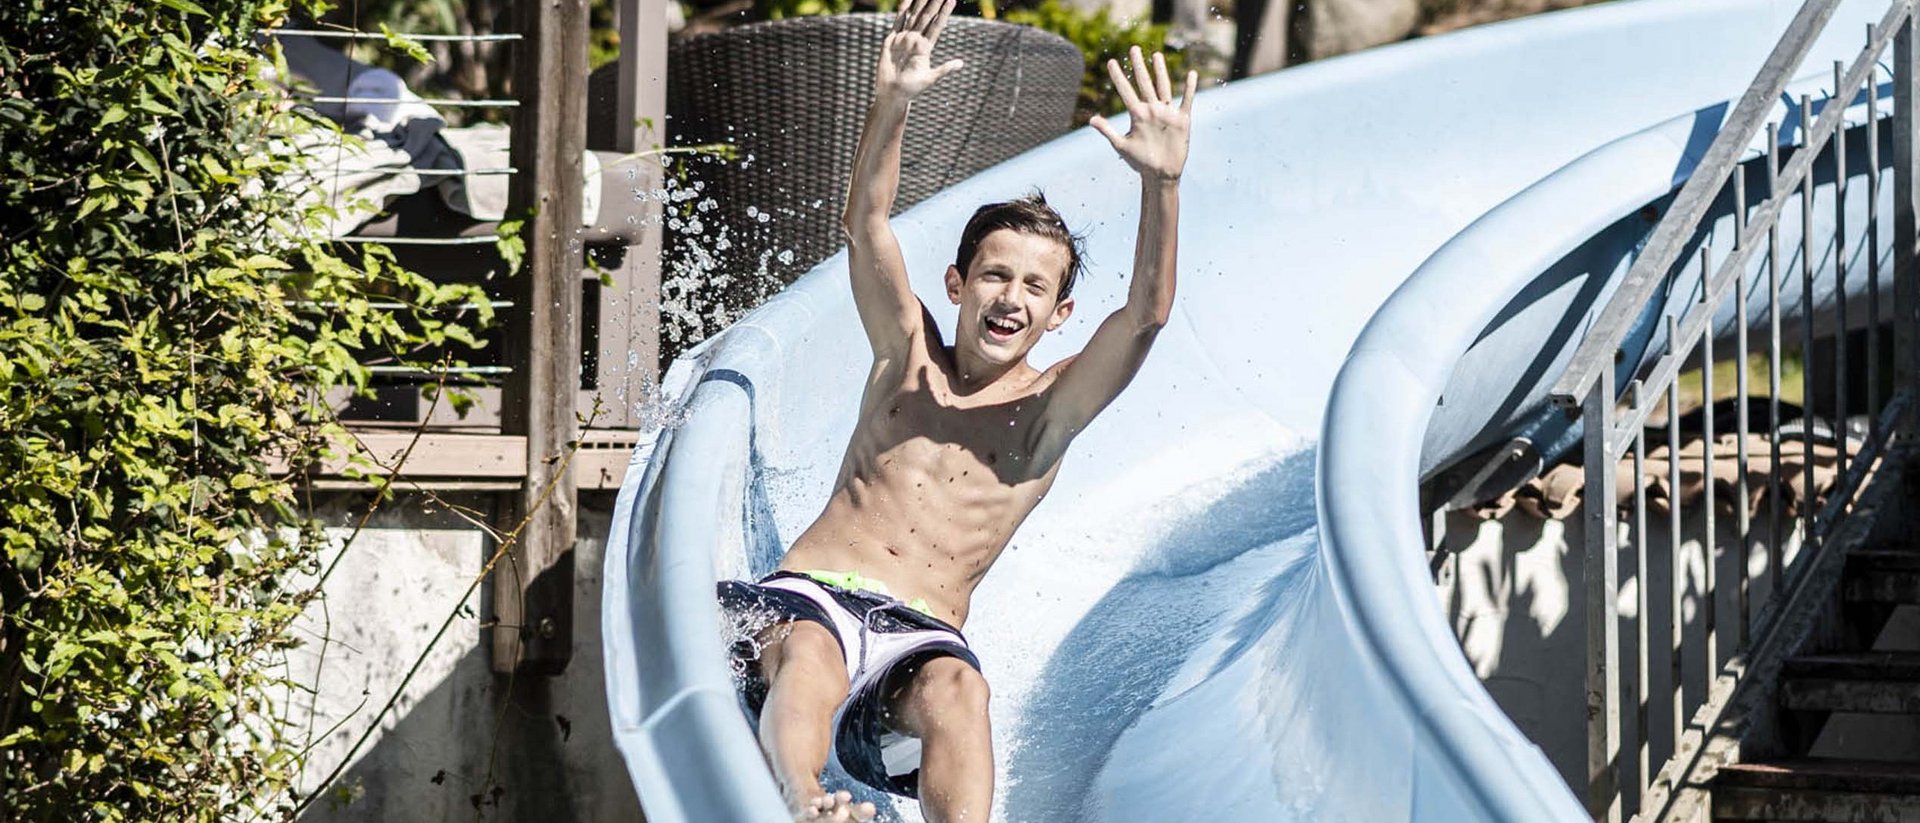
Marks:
<point>533,584</point>
<point>1260,33</point>
<point>629,344</point>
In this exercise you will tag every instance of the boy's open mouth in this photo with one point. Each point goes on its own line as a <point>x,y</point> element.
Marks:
<point>1002,329</point>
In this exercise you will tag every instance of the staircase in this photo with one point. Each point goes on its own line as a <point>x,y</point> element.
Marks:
<point>1857,778</point>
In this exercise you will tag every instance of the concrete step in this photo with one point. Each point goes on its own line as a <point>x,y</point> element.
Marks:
<point>1871,682</point>
<point>1818,789</point>
<point>1883,576</point>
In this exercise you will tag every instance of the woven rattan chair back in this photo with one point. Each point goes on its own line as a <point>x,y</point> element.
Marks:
<point>791,95</point>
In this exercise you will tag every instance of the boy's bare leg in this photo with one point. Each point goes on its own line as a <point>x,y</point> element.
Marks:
<point>807,681</point>
<point>946,707</point>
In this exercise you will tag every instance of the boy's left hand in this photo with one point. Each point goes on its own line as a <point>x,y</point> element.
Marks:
<point>1156,140</point>
<point>905,69</point>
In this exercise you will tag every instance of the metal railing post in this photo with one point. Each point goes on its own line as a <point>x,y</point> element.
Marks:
<point>1601,573</point>
<point>1906,361</point>
<point>1592,361</point>
<point>1612,433</point>
<point>1643,766</point>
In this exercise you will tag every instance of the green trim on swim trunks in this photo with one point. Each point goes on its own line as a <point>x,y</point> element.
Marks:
<point>855,581</point>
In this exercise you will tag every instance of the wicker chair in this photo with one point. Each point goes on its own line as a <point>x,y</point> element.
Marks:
<point>792,94</point>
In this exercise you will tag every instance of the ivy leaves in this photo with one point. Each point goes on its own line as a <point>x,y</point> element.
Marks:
<point>169,335</point>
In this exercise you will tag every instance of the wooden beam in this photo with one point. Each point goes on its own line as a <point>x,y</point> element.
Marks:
<point>459,460</point>
<point>629,340</point>
<point>1261,29</point>
<point>533,585</point>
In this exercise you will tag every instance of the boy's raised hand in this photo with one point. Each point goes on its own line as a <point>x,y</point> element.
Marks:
<point>1156,140</point>
<point>905,69</point>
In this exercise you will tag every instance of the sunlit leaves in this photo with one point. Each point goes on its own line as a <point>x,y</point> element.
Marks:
<point>1100,37</point>
<point>165,328</point>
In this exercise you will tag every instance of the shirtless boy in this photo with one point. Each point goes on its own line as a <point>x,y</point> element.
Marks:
<point>953,448</point>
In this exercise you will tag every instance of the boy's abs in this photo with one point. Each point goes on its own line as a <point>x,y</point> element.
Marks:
<point>929,491</point>
<point>925,562</point>
<point>926,525</point>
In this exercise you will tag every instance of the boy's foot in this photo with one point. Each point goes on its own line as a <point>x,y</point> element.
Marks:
<point>838,806</point>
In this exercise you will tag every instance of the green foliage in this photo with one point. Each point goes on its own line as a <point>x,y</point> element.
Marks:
<point>1099,38</point>
<point>782,9</point>
<point>168,326</point>
<point>405,45</point>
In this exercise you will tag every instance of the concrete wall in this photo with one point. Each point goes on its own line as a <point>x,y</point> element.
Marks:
<point>462,743</point>
<point>1512,590</point>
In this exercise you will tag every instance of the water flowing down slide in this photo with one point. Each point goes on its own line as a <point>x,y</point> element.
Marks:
<point>1222,610</point>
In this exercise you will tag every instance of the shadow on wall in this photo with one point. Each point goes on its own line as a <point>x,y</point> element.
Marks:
<point>1513,593</point>
<point>1508,593</point>
<point>463,744</point>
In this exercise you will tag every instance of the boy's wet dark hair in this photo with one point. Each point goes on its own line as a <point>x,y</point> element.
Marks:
<point>1027,215</point>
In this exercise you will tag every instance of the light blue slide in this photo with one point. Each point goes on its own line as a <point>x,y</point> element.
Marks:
<point>1222,611</point>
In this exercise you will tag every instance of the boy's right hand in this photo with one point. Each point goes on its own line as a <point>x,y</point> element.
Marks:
<point>905,68</point>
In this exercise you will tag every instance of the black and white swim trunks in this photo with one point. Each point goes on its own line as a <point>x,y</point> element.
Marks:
<point>884,641</point>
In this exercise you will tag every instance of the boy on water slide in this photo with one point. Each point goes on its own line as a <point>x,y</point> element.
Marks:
<point>953,448</point>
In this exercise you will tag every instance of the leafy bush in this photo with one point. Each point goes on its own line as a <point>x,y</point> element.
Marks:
<point>168,323</point>
<point>1100,37</point>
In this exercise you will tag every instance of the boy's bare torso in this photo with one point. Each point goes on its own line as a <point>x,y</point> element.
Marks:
<point>935,479</point>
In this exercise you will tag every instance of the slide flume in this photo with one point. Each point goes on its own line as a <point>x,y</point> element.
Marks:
<point>1193,622</point>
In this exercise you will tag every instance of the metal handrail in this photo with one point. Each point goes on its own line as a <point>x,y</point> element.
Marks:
<point>1614,423</point>
<point>453,102</point>
<point>409,371</point>
<point>423,172</point>
<point>1596,355</point>
<point>475,240</point>
<point>343,34</point>
<point>449,370</point>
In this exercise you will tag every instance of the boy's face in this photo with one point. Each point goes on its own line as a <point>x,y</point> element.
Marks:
<point>1010,296</point>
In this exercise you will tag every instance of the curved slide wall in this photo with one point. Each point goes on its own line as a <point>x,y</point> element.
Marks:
<point>1492,319</point>
<point>1190,623</point>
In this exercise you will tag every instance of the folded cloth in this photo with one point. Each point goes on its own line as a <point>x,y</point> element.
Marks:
<point>392,144</point>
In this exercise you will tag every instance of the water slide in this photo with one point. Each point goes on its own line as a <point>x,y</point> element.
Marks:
<point>1222,609</point>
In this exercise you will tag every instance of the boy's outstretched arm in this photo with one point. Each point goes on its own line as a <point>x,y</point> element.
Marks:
<point>1155,145</point>
<point>888,309</point>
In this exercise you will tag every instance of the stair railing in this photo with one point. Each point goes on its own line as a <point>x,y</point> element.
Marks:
<point>1616,401</point>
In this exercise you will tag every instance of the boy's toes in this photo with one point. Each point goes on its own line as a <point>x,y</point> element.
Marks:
<point>838,807</point>
<point>817,808</point>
